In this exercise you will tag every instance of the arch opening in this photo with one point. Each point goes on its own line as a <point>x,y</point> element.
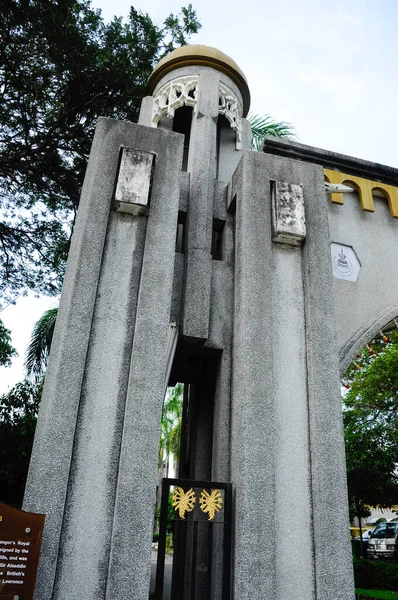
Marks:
<point>370,415</point>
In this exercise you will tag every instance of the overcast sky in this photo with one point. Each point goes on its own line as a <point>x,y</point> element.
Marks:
<point>328,68</point>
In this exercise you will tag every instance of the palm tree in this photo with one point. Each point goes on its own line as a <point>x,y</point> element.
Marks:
<point>170,425</point>
<point>40,344</point>
<point>262,126</point>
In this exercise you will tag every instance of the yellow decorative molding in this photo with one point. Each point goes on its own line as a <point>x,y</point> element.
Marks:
<point>366,190</point>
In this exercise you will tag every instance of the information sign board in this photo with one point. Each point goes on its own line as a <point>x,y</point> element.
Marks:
<point>20,540</point>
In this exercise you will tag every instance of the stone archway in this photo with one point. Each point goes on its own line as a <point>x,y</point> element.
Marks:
<point>265,302</point>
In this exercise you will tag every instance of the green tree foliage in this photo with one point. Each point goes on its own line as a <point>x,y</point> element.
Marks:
<point>370,412</point>
<point>6,349</point>
<point>61,67</point>
<point>266,125</point>
<point>170,424</point>
<point>40,344</point>
<point>18,414</point>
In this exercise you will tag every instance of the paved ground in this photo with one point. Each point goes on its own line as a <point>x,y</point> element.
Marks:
<point>167,574</point>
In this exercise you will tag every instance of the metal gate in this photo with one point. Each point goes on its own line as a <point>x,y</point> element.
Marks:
<point>198,514</point>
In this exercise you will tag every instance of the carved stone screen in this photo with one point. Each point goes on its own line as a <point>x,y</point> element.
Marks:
<point>20,540</point>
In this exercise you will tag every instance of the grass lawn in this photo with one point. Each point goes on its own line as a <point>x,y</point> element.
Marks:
<point>383,594</point>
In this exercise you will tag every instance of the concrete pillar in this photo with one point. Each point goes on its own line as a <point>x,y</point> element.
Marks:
<point>129,565</point>
<point>88,522</point>
<point>253,430</point>
<point>87,471</point>
<point>333,562</point>
<point>293,514</point>
<point>145,117</point>
<point>48,478</point>
<point>202,167</point>
<point>293,541</point>
<point>287,439</point>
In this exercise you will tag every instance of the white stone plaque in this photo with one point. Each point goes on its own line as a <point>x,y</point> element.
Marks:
<point>345,262</point>
<point>134,181</point>
<point>288,215</point>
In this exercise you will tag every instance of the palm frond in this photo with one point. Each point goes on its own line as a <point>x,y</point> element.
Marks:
<point>170,425</point>
<point>40,344</point>
<point>175,439</point>
<point>266,125</point>
<point>174,400</point>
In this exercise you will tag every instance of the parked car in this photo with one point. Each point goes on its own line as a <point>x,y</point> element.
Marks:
<point>366,535</point>
<point>383,542</point>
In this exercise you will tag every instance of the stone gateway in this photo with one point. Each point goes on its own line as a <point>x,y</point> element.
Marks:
<point>195,259</point>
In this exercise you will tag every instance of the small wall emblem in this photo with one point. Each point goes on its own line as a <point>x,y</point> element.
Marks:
<point>345,262</point>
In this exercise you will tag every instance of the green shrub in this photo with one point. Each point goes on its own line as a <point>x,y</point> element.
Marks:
<point>376,575</point>
<point>155,537</point>
<point>375,594</point>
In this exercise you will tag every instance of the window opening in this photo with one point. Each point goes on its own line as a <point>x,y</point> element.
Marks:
<point>182,124</point>
<point>181,232</point>
<point>217,239</point>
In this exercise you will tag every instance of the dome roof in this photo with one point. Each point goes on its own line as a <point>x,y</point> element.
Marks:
<point>204,56</point>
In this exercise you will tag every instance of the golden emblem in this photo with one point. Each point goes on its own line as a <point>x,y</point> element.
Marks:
<point>183,501</point>
<point>210,503</point>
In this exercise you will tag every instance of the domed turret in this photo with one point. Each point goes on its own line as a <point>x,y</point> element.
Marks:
<point>202,56</point>
<point>196,81</point>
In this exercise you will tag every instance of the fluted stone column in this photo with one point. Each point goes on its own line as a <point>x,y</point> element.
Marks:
<point>288,460</point>
<point>94,462</point>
